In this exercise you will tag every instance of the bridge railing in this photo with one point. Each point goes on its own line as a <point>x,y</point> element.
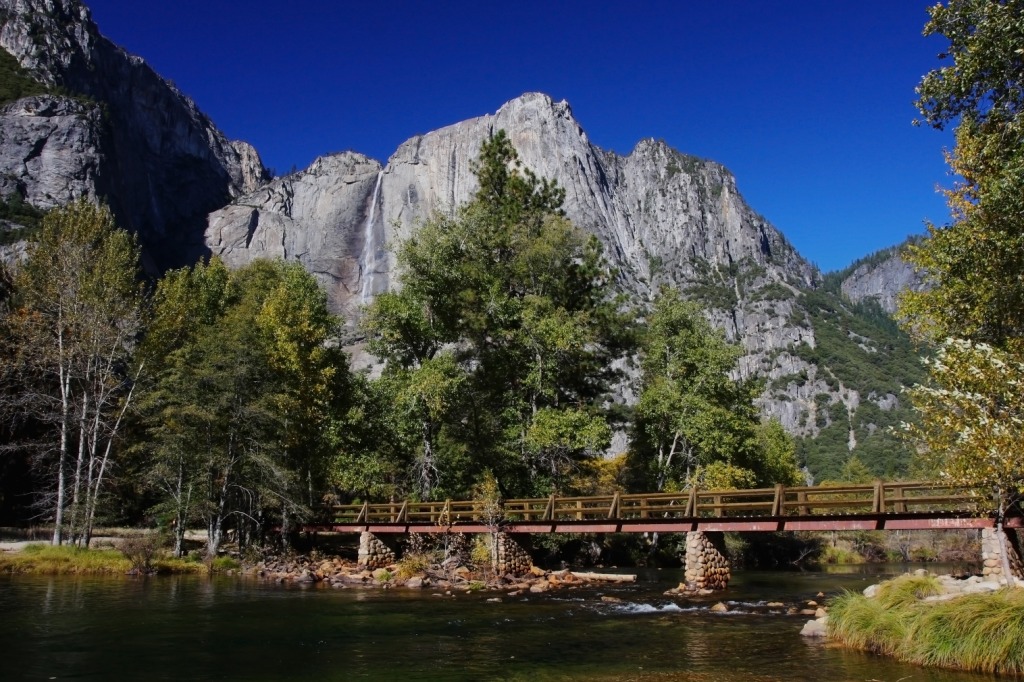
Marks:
<point>875,498</point>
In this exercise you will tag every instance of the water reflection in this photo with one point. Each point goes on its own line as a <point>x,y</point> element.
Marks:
<point>195,627</point>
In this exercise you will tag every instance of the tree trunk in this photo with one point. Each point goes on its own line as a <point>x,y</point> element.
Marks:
<point>65,411</point>
<point>427,465</point>
<point>1004,549</point>
<point>76,484</point>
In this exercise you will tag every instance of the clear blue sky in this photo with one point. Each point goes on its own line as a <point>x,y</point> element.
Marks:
<point>807,102</point>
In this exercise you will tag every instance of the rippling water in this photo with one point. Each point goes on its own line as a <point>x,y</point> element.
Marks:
<point>234,629</point>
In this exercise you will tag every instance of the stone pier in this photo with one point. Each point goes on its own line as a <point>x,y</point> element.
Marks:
<point>991,555</point>
<point>373,552</point>
<point>512,557</point>
<point>706,565</point>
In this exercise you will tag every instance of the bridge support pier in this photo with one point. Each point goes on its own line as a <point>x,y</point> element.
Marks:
<point>373,552</point>
<point>510,556</point>
<point>706,565</point>
<point>992,555</point>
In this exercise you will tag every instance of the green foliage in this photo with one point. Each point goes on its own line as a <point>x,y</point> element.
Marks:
<point>13,208</point>
<point>15,81</point>
<point>499,344</point>
<point>39,559</point>
<point>415,563</point>
<point>693,423</point>
<point>78,313</point>
<point>975,261</point>
<point>973,416</point>
<point>225,563</point>
<point>249,387</point>
<point>971,410</point>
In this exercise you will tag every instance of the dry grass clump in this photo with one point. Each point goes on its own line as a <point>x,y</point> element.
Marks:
<point>43,559</point>
<point>415,564</point>
<point>980,632</point>
<point>64,560</point>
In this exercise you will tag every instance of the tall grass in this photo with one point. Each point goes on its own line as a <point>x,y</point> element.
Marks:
<point>981,632</point>
<point>41,559</point>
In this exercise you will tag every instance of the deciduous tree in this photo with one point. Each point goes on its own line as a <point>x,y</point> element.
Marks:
<point>74,330</point>
<point>970,411</point>
<point>694,424</point>
<point>517,299</point>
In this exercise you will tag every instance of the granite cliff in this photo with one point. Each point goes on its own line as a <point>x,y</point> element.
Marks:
<point>111,128</point>
<point>105,126</point>
<point>881,277</point>
<point>663,217</point>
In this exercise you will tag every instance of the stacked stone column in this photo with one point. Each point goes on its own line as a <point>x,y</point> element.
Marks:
<point>991,555</point>
<point>373,553</point>
<point>512,558</point>
<point>706,565</point>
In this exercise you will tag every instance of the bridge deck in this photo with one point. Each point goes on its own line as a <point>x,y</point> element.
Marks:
<point>877,506</point>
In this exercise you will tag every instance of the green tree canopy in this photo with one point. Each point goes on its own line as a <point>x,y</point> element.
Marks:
<point>518,301</point>
<point>976,261</point>
<point>248,391</point>
<point>694,423</point>
<point>969,413</point>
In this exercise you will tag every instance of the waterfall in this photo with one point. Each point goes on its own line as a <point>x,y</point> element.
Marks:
<point>368,261</point>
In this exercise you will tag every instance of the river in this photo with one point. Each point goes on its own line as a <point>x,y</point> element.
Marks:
<point>174,628</point>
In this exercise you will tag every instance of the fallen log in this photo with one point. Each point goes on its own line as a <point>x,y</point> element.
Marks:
<point>605,577</point>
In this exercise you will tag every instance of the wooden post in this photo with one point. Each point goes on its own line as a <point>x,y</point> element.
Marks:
<point>613,509</point>
<point>900,506</point>
<point>403,513</point>
<point>691,504</point>
<point>549,513</point>
<point>801,497</point>
<point>878,504</point>
<point>780,496</point>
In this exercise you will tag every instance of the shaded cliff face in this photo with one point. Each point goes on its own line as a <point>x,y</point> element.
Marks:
<point>123,134</point>
<point>881,277</point>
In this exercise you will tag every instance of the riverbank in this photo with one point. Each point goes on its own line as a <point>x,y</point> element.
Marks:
<point>131,558</point>
<point>965,624</point>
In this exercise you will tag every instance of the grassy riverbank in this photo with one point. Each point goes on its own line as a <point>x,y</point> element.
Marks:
<point>41,559</point>
<point>981,632</point>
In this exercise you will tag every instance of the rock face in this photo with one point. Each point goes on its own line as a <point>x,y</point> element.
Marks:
<point>882,277</point>
<point>125,134</point>
<point>120,133</point>
<point>49,150</point>
<point>326,217</point>
<point>662,216</point>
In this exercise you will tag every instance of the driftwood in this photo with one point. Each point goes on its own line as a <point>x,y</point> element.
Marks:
<point>605,577</point>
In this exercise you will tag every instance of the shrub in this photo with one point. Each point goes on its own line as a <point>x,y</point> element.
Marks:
<point>140,551</point>
<point>415,564</point>
<point>982,632</point>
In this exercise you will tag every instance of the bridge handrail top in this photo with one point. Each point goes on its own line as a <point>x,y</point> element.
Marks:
<point>629,499</point>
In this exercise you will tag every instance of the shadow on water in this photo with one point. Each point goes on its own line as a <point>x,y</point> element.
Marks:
<point>196,628</point>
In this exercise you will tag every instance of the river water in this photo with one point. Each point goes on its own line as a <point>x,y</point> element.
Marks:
<point>175,628</point>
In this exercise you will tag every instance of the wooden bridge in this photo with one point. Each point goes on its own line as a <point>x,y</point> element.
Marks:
<point>876,506</point>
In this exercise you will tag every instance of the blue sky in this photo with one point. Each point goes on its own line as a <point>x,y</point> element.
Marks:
<point>808,102</point>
